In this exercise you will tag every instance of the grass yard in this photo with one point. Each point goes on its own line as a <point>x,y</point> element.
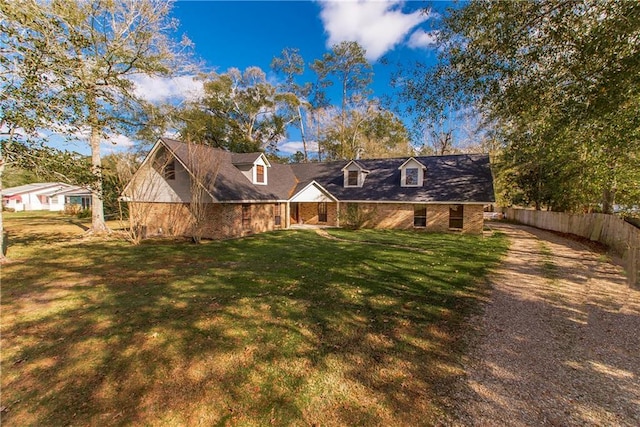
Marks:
<point>282,328</point>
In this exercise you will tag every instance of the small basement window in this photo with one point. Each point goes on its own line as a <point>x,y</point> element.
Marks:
<point>456,216</point>
<point>419,216</point>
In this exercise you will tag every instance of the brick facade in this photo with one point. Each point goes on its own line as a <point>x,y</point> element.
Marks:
<point>308,214</point>
<point>400,216</point>
<point>223,220</point>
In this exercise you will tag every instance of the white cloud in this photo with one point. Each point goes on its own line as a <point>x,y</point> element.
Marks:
<point>377,25</point>
<point>291,147</point>
<point>172,133</point>
<point>119,141</point>
<point>423,39</point>
<point>162,89</point>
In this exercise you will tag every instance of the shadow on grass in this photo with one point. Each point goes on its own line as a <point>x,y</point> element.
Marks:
<point>281,328</point>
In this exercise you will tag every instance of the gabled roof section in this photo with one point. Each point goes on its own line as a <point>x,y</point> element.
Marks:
<point>353,162</point>
<point>248,158</point>
<point>228,183</point>
<point>150,155</point>
<point>409,161</point>
<point>30,188</point>
<point>74,190</point>
<point>313,192</point>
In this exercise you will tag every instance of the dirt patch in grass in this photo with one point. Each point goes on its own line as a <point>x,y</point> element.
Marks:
<point>280,328</point>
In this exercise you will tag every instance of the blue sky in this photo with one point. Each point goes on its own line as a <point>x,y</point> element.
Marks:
<point>250,33</point>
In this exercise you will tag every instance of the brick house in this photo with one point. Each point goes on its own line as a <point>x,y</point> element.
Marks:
<point>245,193</point>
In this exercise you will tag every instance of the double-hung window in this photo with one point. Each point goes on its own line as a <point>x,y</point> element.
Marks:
<point>456,216</point>
<point>277,214</point>
<point>260,174</point>
<point>246,216</point>
<point>419,216</point>
<point>353,179</point>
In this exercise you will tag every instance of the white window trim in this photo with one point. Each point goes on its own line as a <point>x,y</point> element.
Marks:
<point>361,174</point>
<point>406,177</point>
<point>412,163</point>
<point>254,170</point>
<point>358,181</point>
<point>255,174</point>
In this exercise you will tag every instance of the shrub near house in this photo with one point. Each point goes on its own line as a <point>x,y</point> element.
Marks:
<point>245,193</point>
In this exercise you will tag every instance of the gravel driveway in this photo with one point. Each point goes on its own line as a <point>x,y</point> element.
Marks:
<point>558,342</point>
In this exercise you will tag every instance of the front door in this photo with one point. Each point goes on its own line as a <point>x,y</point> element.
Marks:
<point>322,212</point>
<point>295,212</point>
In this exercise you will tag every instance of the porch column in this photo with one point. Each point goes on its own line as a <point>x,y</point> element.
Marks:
<point>287,216</point>
<point>338,214</point>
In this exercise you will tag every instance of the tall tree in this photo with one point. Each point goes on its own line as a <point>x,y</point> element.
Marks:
<point>22,108</point>
<point>93,50</point>
<point>347,67</point>
<point>560,81</point>
<point>239,111</point>
<point>383,135</point>
<point>291,64</point>
<point>369,132</point>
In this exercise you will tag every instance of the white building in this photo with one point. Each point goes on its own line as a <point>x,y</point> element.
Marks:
<point>45,196</point>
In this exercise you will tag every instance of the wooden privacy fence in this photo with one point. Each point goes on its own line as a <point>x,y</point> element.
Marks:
<point>622,237</point>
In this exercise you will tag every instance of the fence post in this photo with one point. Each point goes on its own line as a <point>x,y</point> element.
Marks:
<point>633,267</point>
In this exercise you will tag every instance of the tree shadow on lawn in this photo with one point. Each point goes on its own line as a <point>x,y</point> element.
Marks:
<point>282,328</point>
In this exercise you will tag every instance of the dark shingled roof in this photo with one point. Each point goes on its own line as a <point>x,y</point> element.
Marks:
<point>244,158</point>
<point>230,184</point>
<point>453,178</point>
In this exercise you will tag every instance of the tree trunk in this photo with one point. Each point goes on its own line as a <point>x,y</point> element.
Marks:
<point>3,243</point>
<point>304,139</point>
<point>97,207</point>
<point>608,200</point>
<point>318,136</point>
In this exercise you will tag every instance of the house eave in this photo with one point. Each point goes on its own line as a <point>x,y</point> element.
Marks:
<point>415,160</point>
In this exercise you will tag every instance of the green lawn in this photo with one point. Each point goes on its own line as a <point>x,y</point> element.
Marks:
<point>283,328</point>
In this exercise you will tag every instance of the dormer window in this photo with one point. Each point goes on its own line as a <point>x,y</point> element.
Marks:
<point>260,174</point>
<point>412,173</point>
<point>254,166</point>
<point>411,177</point>
<point>354,174</point>
<point>353,179</point>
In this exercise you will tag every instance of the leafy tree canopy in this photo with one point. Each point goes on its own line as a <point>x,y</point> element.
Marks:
<point>239,111</point>
<point>560,84</point>
<point>72,63</point>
